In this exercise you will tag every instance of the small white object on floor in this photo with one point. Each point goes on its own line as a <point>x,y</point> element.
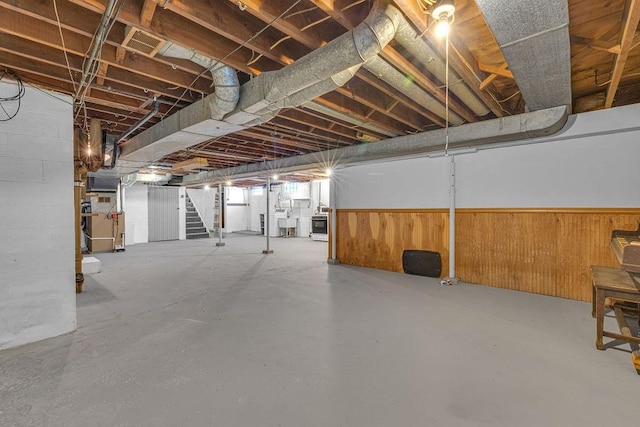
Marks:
<point>90,265</point>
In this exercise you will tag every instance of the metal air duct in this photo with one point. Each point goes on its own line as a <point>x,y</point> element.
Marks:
<point>537,49</point>
<point>383,70</point>
<point>472,135</point>
<point>225,79</point>
<point>409,39</point>
<point>259,99</point>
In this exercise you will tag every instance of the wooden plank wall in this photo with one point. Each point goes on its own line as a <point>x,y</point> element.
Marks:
<point>377,238</point>
<point>545,251</point>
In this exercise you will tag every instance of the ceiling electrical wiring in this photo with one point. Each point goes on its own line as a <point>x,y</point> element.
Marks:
<point>17,97</point>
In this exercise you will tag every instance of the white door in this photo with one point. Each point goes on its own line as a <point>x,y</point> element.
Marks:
<point>164,210</point>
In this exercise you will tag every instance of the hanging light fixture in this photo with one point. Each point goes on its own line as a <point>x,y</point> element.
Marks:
<point>443,13</point>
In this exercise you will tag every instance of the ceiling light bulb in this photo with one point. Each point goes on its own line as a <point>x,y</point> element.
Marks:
<point>206,187</point>
<point>89,150</point>
<point>229,183</point>
<point>443,13</point>
<point>442,28</point>
<point>275,176</point>
<point>329,172</point>
<point>444,8</point>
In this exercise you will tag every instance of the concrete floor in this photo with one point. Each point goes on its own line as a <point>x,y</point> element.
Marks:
<point>187,334</point>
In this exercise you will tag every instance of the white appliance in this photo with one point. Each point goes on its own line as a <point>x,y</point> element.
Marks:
<point>319,227</point>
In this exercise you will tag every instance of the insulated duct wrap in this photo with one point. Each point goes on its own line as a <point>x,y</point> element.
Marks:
<point>395,78</point>
<point>537,49</point>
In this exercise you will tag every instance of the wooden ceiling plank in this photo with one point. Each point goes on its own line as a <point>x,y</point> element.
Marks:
<point>301,116</point>
<point>121,79</point>
<point>84,23</point>
<point>374,104</point>
<point>146,15</point>
<point>47,35</point>
<point>318,136</point>
<point>269,11</point>
<point>631,19</point>
<point>601,45</point>
<point>230,22</point>
<point>324,136</point>
<point>182,31</point>
<point>338,105</point>
<point>385,88</point>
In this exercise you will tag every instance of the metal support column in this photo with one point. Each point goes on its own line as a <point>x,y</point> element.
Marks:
<point>267,229</point>
<point>333,203</point>
<point>219,242</point>
<point>452,222</point>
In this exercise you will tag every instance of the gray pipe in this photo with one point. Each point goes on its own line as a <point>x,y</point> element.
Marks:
<point>383,70</point>
<point>142,121</point>
<point>225,78</point>
<point>409,39</point>
<point>339,55</point>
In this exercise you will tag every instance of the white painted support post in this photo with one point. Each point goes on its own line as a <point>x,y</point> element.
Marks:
<point>267,251</point>
<point>333,202</point>
<point>219,242</point>
<point>452,221</point>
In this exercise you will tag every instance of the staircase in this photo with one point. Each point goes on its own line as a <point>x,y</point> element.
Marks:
<point>195,226</point>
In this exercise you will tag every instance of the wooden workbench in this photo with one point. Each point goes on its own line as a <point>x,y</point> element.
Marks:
<point>612,287</point>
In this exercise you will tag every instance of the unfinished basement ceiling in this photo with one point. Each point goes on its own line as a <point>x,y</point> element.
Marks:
<point>254,37</point>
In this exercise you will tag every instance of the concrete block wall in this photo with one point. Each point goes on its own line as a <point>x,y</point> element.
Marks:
<point>37,243</point>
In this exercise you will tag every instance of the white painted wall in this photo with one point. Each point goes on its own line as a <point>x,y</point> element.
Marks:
<point>320,190</point>
<point>593,162</point>
<point>238,210</point>
<point>204,201</point>
<point>136,214</point>
<point>37,243</point>
<point>257,206</point>
<point>182,218</point>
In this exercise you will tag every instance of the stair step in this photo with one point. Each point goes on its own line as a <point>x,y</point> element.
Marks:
<point>196,227</point>
<point>198,236</point>
<point>191,230</point>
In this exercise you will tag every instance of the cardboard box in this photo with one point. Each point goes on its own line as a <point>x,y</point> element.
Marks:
<point>105,231</point>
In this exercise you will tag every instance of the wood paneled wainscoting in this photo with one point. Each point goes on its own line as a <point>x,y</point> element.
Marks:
<point>544,251</point>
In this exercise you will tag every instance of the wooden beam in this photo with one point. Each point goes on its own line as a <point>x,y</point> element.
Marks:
<point>146,15</point>
<point>181,30</point>
<point>631,19</point>
<point>121,53</point>
<point>601,45</point>
<point>102,72</point>
<point>21,18</point>
<point>500,71</point>
<point>231,23</point>
<point>486,82</point>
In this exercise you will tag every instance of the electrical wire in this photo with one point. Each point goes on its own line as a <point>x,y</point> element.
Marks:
<point>93,68</point>
<point>446,95</point>
<point>12,98</point>
<point>64,47</point>
<point>249,40</point>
